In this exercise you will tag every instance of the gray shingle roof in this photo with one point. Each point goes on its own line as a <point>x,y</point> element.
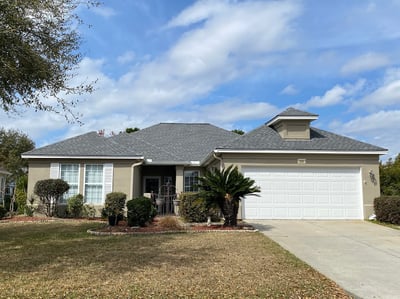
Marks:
<point>89,144</point>
<point>177,141</point>
<point>295,112</point>
<point>165,142</point>
<point>266,138</point>
<point>182,142</point>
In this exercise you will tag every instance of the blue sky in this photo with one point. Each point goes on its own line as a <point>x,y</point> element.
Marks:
<point>235,64</point>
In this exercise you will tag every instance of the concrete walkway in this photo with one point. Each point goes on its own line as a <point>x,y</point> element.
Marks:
<point>362,257</point>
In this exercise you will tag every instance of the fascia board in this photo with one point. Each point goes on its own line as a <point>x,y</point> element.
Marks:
<point>229,151</point>
<point>83,157</point>
<point>279,118</point>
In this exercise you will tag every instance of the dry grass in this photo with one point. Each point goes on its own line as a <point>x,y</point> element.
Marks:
<point>60,260</point>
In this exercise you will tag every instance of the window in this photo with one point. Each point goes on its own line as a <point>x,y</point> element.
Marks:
<point>151,184</point>
<point>191,179</point>
<point>94,184</point>
<point>70,174</point>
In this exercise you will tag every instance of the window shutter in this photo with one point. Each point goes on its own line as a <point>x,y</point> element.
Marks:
<point>54,170</point>
<point>108,178</point>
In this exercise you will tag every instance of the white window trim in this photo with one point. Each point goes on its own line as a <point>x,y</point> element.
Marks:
<point>188,170</point>
<point>107,182</point>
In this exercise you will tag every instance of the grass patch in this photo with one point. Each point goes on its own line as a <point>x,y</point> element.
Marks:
<point>394,226</point>
<point>42,260</point>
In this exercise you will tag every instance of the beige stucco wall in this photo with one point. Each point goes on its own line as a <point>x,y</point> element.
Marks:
<point>39,169</point>
<point>367,163</point>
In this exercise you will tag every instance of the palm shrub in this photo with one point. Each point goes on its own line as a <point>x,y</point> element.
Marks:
<point>114,206</point>
<point>226,188</point>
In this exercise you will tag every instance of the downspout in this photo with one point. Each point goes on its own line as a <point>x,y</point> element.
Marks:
<point>221,164</point>
<point>132,175</point>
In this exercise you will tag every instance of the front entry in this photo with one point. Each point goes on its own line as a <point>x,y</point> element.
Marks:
<point>151,184</point>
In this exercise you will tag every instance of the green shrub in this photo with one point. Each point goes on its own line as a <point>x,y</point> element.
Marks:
<point>3,212</point>
<point>75,205</point>
<point>50,192</point>
<point>387,209</point>
<point>194,208</point>
<point>114,206</point>
<point>20,199</point>
<point>29,210</point>
<point>140,211</point>
<point>88,211</point>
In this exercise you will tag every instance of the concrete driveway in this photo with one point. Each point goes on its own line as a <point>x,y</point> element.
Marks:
<point>363,258</point>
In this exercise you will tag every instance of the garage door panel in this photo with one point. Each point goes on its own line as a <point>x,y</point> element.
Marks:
<point>304,193</point>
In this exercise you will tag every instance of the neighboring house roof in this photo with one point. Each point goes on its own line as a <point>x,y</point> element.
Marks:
<point>194,143</point>
<point>266,138</point>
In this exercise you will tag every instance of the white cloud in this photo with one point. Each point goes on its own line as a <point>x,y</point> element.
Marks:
<point>386,95</point>
<point>379,128</point>
<point>334,96</point>
<point>127,57</point>
<point>104,11</point>
<point>365,62</point>
<point>289,90</point>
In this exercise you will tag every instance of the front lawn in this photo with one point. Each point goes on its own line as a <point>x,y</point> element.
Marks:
<point>60,260</point>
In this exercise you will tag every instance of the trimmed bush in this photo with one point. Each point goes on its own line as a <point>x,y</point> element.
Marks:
<point>194,208</point>
<point>50,192</point>
<point>3,212</point>
<point>75,205</point>
<point>140,211</point>
<point>114,206</point>
<point>387,209</point>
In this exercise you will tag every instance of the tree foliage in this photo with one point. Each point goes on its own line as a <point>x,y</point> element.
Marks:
<point>50,192</point>
<point>132,130</point>
<point>238,131</point>
<point>390,177</point>
<point>226,188</point>
<point>12,144</point>
<point>39,44</point>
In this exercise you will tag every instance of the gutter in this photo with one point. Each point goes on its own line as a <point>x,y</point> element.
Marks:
<point>221,164</point>
<point>233,151</point>
<point>133,175</point>
<point>83,157</point>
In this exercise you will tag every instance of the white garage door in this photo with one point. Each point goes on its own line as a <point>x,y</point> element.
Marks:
<point>304,193</point>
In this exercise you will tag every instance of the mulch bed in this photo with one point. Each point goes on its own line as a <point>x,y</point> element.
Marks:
<point>153,227</point>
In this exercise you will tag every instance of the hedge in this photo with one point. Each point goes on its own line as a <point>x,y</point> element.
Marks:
<point>193,208</point>
<point>387,209</point>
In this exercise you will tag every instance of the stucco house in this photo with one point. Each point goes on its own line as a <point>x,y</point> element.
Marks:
<point>303,172</point>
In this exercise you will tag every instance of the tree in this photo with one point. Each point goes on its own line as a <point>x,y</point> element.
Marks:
<point>12,144</point>
<point>39,44</point>
<point>50,192</point>
<point>238,131</point>
<point>390,177</point>
<point>226,188</point>
<point>132,130</point>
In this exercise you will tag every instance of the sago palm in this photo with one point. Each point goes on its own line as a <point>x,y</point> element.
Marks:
<point>226,188</point>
